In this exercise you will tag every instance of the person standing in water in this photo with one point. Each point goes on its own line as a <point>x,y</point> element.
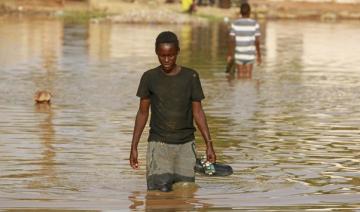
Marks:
<point>244,43</point>
<point>174,94</point>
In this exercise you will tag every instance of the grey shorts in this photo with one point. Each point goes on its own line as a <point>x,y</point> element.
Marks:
<point>167,164</point>
<point>244,62</point>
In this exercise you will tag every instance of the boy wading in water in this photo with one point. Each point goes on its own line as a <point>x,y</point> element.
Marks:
<point>244,43</point>
<point>174,94</point>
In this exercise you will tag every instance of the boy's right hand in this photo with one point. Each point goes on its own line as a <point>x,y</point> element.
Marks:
<point>134,159</point>
<point>229,59</point>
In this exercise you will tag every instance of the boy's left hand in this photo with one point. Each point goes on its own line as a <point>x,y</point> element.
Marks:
<point>258,60</point>
<point>210,155</point>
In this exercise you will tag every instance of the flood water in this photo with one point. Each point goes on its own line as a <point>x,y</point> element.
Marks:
<point>291,133</point>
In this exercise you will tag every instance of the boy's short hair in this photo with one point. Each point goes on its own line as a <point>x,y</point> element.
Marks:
<point>245,9</point>
<point>167,37</point>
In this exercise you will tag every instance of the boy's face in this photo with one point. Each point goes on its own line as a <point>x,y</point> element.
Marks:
<point>167,54</point>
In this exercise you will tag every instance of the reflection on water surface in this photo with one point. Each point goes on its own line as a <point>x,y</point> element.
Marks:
<point>291,132</point>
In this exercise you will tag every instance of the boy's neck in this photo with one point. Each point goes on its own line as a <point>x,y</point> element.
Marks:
<point>174,71</point>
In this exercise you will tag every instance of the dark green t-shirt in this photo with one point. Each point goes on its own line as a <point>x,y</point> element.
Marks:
<point>171,100</point>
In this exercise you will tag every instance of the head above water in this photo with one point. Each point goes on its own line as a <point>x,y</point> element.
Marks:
<point>167,50</point>
<point>245,9</point>
<point>167,37</point>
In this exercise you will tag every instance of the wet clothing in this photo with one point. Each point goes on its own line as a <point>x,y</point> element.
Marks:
<point>171,148</point>
<point>245,31</point>
<point>167,164</point>
<point>171,98</point>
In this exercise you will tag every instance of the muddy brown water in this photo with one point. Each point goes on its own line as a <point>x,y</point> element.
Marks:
<point>291,133</point>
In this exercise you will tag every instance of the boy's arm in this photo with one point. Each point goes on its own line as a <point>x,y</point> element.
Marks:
<point>231,49</point>
<point>258,51</point>
<point>201,123</point>
<point>140,122</point>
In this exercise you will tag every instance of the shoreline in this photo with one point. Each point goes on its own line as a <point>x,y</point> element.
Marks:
<point>122,12</point>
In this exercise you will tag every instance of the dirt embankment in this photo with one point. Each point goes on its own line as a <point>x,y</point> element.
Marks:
<point>306,10</point>
<point>157,11</point>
